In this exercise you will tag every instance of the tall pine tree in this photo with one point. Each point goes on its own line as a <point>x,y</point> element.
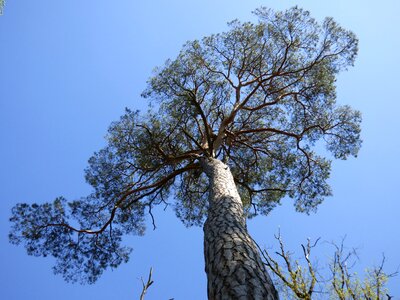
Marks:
<point>234,121</point>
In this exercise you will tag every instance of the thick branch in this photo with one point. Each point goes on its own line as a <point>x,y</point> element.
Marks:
<point>118,205</point>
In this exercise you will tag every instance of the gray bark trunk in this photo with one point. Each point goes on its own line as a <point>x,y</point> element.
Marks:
<point>232,262</point>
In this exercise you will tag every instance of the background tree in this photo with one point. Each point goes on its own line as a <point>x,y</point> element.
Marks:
<point>303,278</point>
<point>240,109</point>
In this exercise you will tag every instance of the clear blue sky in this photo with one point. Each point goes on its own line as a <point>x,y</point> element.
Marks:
<point>69,68</point>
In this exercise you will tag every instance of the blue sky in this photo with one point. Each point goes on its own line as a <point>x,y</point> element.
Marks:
<point>69,68</point>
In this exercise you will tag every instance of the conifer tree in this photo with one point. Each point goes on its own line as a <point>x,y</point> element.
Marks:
<point>232,131</point>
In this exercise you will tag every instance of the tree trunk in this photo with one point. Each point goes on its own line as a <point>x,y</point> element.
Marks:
<point>232,262</point>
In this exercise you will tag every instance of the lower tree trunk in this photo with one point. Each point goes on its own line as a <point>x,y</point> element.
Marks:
<point>232,262</point>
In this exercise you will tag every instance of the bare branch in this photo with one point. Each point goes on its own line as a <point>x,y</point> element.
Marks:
<point>147,284</point>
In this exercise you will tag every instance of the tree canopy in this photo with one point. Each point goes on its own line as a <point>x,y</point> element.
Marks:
<point>259,96</point>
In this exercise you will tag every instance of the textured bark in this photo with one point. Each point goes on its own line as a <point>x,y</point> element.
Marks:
<point>233,264</point>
